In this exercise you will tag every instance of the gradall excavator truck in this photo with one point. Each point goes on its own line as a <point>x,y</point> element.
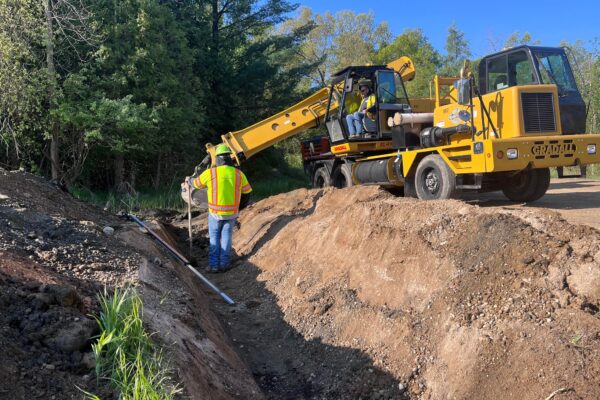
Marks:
<point>504,132</point>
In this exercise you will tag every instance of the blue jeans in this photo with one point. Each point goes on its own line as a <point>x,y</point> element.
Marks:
<point>220,233</point>
<point>354,121</point>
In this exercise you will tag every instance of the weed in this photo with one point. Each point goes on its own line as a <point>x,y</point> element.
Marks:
<point>125,353</point>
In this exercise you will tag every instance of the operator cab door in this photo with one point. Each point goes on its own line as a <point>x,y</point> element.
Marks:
<point>336,129</point>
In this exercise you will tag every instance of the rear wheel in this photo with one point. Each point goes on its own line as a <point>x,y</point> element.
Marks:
<point>434,179</point>
<point>528,185</point>
<point>342,176</point>
<point>321,178</point>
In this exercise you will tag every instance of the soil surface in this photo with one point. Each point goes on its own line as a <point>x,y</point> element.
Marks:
<point>340,294</point>
<point>576,199</point>
<point>56,255</point>
<point>357,294</point>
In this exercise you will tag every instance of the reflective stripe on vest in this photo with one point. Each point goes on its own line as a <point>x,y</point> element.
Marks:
<point>224,198</point>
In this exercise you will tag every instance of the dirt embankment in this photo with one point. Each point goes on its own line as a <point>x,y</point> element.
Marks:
<point>443,299</point>
<point>55,258</point>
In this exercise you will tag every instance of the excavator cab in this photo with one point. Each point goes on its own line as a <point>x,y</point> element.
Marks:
<point>535,65</point>
<point>390,93</point>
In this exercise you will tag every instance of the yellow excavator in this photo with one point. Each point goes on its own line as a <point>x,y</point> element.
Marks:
<point>503,130</point>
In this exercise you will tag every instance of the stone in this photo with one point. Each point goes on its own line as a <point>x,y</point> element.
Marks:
<point>108,231</point>
<point>88,361</point>
<point>65,295</point>
<point>527,260</point>
<point>73,336</point>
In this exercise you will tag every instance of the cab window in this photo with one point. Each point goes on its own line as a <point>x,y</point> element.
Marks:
<point>389,88</point>
<point>554,69</point>
<point>520,71</point>
<point>497,78</point>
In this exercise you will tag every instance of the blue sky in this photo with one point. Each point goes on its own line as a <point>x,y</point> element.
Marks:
<point>549,21</point>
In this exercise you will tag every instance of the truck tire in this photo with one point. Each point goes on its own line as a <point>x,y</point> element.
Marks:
<point>342,176</point>
<point>528,185</point>
<point>434,179</point>
<point>321,178</point>
<point>409,187</point>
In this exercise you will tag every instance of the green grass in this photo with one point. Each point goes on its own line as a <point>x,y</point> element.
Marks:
<point>263,188</point>
<point>125,353</point>
<point>167,198</point>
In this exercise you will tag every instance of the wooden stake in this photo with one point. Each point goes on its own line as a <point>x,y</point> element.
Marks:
<point>189,190</point>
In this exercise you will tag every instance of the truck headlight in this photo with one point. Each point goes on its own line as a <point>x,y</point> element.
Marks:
<point>591,149</point>
<point>511,154</point>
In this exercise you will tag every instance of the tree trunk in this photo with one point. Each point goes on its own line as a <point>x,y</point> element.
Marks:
<point>119,172</point>
<point>54,144</point>
<point>132,175</point>
<point>156,183</point>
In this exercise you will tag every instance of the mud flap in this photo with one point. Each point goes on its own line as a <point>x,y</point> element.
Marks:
<point>582,172</point>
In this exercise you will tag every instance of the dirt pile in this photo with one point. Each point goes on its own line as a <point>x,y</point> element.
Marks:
<point>448,299</point>
<point>56,255</point>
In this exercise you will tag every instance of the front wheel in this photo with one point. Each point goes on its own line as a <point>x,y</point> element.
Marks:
<point>528,185</point>
<point>434,179</point>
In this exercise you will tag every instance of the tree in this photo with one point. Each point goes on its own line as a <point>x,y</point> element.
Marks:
<point>337,41</point>
<point>23,83</point>
<point>414,44</point>
<point>515,39</point>
<point>457,50</point>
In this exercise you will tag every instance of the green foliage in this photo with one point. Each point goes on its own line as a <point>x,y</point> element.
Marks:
<point>23,83</point>
<point>516,39</point>
<point>414,44</point>
<point>167,197</point>
<point>336,41</point>
<point>125,353</point>
<point>457,49</point>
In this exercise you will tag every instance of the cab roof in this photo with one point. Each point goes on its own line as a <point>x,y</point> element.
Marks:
<point>524,47</point>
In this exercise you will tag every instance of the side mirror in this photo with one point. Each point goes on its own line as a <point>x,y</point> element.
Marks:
<point>463,88</point>
<point>348,85</point>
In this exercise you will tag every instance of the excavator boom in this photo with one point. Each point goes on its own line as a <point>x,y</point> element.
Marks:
<point>304,115</point>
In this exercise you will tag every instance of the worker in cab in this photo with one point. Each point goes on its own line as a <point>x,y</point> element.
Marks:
<point>227,187</point>
<point>363,119</point>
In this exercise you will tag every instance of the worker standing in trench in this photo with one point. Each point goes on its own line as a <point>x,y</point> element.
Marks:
<point>225,187</point>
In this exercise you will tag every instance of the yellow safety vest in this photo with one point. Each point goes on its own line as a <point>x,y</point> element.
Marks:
<point>370,102</point>
<point>225,187</point>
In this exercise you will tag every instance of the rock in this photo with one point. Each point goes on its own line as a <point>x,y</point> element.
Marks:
<point>41,301</point>
<point>401,388</point>
<point>527,260</point>
<point>108,231</point>
<point>65,295</point>
<point>88,361</point>
<point>584,281</point>
<point>73,336</point>
<point>31,235</point>
<point>49,367</point>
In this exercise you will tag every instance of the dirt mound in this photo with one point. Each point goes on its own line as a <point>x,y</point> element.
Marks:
<point>451,300</point>
<point>56,255</point>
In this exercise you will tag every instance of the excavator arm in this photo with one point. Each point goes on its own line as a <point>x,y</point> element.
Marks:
<point>298,118</point>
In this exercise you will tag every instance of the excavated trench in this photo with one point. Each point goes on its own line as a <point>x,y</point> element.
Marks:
<point>358,294</point>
